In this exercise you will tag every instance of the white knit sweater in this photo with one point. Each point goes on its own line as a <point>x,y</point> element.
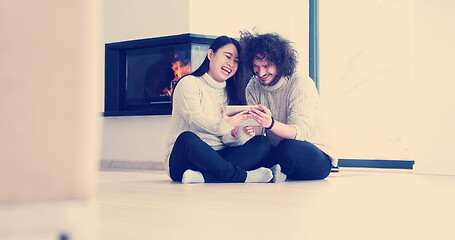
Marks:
<point>293,101</point>
<point>196,107</point>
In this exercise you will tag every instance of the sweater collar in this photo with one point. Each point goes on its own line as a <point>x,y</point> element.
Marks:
<point>274,87</point>
<point>207,79</point>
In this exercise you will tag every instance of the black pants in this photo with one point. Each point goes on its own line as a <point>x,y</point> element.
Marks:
<point>227,165</point>
<point>299,160</point>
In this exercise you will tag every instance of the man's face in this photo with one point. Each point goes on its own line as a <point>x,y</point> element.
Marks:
<point>265,70</point>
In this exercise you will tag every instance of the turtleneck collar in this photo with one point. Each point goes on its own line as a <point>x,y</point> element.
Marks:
<point>274,87</point>
<point>207,79</point>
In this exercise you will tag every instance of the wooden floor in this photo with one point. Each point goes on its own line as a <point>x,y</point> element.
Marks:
<point>351,204</point>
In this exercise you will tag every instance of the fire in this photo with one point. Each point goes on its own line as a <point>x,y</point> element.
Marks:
<point>180,70</point>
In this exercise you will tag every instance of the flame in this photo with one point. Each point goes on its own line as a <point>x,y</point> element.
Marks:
<point>180,70</point>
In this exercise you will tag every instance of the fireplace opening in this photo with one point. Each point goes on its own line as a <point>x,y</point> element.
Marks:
<point>140,75</point>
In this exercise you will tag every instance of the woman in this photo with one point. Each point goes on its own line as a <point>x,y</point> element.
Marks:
<point>204,144</point>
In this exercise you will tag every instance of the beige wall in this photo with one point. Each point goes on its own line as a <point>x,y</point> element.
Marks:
<point>387,80</point>
<point>435,87</point>
<point>50,73</point>
<point>367,77</point>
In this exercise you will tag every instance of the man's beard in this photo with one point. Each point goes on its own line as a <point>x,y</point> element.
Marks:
<point>275,80</point>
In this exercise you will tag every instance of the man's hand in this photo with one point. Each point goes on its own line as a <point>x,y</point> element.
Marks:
<point>264,117</point>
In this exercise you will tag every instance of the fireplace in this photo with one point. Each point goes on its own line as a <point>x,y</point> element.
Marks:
<point>140,74</point>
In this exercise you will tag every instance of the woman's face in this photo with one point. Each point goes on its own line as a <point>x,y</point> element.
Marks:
<point>223,63</point>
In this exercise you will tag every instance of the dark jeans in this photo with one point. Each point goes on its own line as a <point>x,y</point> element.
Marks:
<point>227,165</point>
<point>299,160</point>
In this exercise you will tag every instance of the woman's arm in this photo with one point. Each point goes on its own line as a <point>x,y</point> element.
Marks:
<point>187,103</point>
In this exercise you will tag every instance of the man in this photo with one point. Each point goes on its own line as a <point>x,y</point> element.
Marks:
<point>289,104</point>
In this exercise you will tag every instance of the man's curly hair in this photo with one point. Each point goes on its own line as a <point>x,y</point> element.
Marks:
<point>271,47</point>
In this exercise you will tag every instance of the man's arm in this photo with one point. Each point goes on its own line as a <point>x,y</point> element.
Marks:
<point>264,118</point>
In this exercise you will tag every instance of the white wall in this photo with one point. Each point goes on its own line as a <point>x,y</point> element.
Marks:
<point>142,138</point>
<point>286,17</point>
<point>137,19</point>
<point>367,76</point>
<point>210,17</point>
<point>139,138</point>
<point>435,87</point>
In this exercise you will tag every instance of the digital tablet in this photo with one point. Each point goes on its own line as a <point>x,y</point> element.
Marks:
<point>234,109</point>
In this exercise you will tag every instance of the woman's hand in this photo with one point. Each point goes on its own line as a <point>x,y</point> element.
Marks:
<point>252,130</point>
<point>236,119</point>
<point>264,117</point>
<point>234,131</point>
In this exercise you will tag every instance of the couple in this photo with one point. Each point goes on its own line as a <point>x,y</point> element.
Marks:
<point>206,145</point>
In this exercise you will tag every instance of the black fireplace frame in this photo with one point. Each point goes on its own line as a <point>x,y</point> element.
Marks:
<point>115,72</point>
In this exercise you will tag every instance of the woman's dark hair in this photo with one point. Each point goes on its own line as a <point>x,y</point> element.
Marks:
<point>271,47</point>
<point>235,85</point>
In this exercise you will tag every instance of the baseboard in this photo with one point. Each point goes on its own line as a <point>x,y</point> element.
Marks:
<point>366,163</point>
<point>109,165</point>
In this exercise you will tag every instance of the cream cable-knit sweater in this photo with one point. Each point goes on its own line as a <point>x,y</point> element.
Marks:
<point>196,107</point>
<point>293,101</point>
